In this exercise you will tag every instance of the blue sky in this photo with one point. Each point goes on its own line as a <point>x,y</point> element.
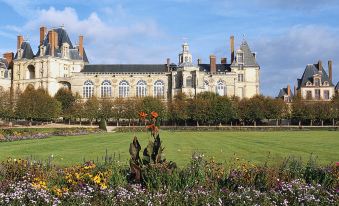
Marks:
<point>286,34</point>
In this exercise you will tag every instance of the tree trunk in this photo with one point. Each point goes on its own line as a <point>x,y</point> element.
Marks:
<point>231,123</point>
<point>277,122</point>
<point>311,122</point>
<point>299,123</point>
<point>255,123</point>
<point>322,123</point>
<point>91,122</point>
<point>80,120</point>
<point>69,121</point>
<point>333,122</point>
<point>197,123</point>
<point>185,123</point>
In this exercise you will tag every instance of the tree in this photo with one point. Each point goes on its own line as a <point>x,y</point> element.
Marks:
<point>323,111</point>
<point>106,108</point>
<point>119,109</point>
<point>6,107</point>
<point>199,110</point>
<point>152,104</point>
<point>252,110</point>
<point>67,99</point>
<point>275,109</point>
<point>222,109</point>
<point>77,109</point>
<point>91,109</point>
<point>132,109</point>
<point>299,110</point>
<point>178,108</point>
<point>37,105</point>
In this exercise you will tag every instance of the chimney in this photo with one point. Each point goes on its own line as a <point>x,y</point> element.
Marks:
<point>43,31</point>
<point>56,41</point>
<point>232,48</point>
<point>51,42</point>
<point>213,64</point>
<point>168,63</point>
<point>330,71</point>
<point>320,66</point>
<point>9,57</point>
<point>81,45</point>
<point>20,40</point>
<point>199,61</point>
<point>288,90</point>
<point>223,61</point>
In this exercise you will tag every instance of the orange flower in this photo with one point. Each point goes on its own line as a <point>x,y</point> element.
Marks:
<point>154,115</point>
<point>151,127</point>
<point>142,115</point>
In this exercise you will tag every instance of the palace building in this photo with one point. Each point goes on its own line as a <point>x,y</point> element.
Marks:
<point>59,63</point>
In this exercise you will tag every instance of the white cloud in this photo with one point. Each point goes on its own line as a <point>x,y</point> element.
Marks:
<point>121,38</point>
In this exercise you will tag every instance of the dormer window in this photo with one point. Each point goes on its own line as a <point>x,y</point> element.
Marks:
<point>317,82</point>
<point>308,84</point>
<point>240,57</point>
<point>326,83</point>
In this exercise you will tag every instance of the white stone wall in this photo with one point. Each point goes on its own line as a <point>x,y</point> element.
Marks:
<point>322,89</point>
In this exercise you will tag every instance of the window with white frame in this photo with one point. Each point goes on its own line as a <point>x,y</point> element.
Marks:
<point>326,94</point>
<point>141,88</point>
<point>317,82</point>
<point>106,89</point>
<point>159,88</point>
<point>317,94</point>
<point>206,85</point>
<point>240,58</point>
<point>240,77</point>
<point>123,89</point>
<point>220,88</point>
<point>88,89</point>
<point>189,82</point>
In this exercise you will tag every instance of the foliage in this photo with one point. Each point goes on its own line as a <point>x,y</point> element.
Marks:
<point>91,109</point>
<point>6,106</point>
<point>67,99</point>
<point>37,105</point>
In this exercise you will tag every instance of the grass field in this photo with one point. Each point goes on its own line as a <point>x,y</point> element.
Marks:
<point>179,146</point>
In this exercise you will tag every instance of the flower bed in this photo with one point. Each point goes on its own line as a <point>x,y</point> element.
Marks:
<point>22,134</point>
<point>202,182</point>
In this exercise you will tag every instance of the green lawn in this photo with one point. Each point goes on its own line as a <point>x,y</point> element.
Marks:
<point>179,146</point>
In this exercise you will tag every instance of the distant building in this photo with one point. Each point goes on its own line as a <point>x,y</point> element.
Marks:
<point>6,64</point>
<point>59,63</point>
<point>315,84</point>
<point>337,88</point>
<point>286,94</point>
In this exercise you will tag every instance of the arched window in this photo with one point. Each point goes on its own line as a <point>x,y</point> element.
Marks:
<point>141,88</point>
<point>189,82</point>
<point>220,88</point>
<point>31,72</point>
<point>159,88</point>
<point>123,89</point>
<point>88,89</point>
<point>206,85</point>
<point>106,89</point>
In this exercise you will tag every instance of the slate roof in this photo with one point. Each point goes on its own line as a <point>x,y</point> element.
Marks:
<point>249,59</point>
<point>220,67</point>
<point>63,38</point>
<point>27,51</point>
<point>283,92</point>
<point>128,68</point>
<point>309,71</point>
<point>337,87</point>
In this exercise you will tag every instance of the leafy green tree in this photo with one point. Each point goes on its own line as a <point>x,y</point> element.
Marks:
<point>323,111</point>
<point>77,109</point>
<point>222,109</point>
<point>6,106</point>
<point>335,108</point>
<point>252,110</point>
<point>275,109</point>
<point>299,110</point>
<point>178,108</point>
<point>199,110</point>
<point>37,105</point>
<point>119,109</point>
<point>132,109</point>
<point>67,99</point>
<point>106,108</point>
<point>91,109</point>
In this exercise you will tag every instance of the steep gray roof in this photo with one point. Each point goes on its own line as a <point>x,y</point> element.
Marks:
<point>62,38</point>
<point>220,67</point>
<point>309,71</point>
<point>337,87</point>
<point>27,51</point>
<point>128,68</point>
<point>249,59</point>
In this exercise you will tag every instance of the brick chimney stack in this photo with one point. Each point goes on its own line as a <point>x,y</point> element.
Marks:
<point>168,63</point>
<point>55,37</point>
<point>232,48</point>
<point>81,45</point>
<point>330,71</point>
<point>223,61</point>
<point>43,31</point>
<point>288,90</point>
<point>295,90</point>
<point>51,42</point>
<point>320,66</point>
<point>213,64</point>
<point>9,56</point>
<point>20,40</point>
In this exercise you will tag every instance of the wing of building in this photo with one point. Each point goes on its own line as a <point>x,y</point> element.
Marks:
<point>59,63</point>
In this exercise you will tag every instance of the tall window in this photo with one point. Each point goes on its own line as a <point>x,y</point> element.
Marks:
<point>189,82</point>
<point>317,94</point>
<point>123,89</point>
<point>326,94</point>
<point>240,77</point>
<point>159,88</point>
<point>317,82</point>
<point>206,85</point>
<point>220,88</point>
<point>88,89</point>
<point>308,95</point>
<point>240,58</point>
<point>106,89</point>
<point>141,88</point>
<point>31,72</point>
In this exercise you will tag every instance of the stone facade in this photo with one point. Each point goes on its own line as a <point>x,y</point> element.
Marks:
<point>59,64</point>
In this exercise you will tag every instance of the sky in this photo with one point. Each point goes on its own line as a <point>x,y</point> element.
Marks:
<point>286,34</point>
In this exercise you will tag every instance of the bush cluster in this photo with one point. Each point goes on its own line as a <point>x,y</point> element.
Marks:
<point>201,182</point>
